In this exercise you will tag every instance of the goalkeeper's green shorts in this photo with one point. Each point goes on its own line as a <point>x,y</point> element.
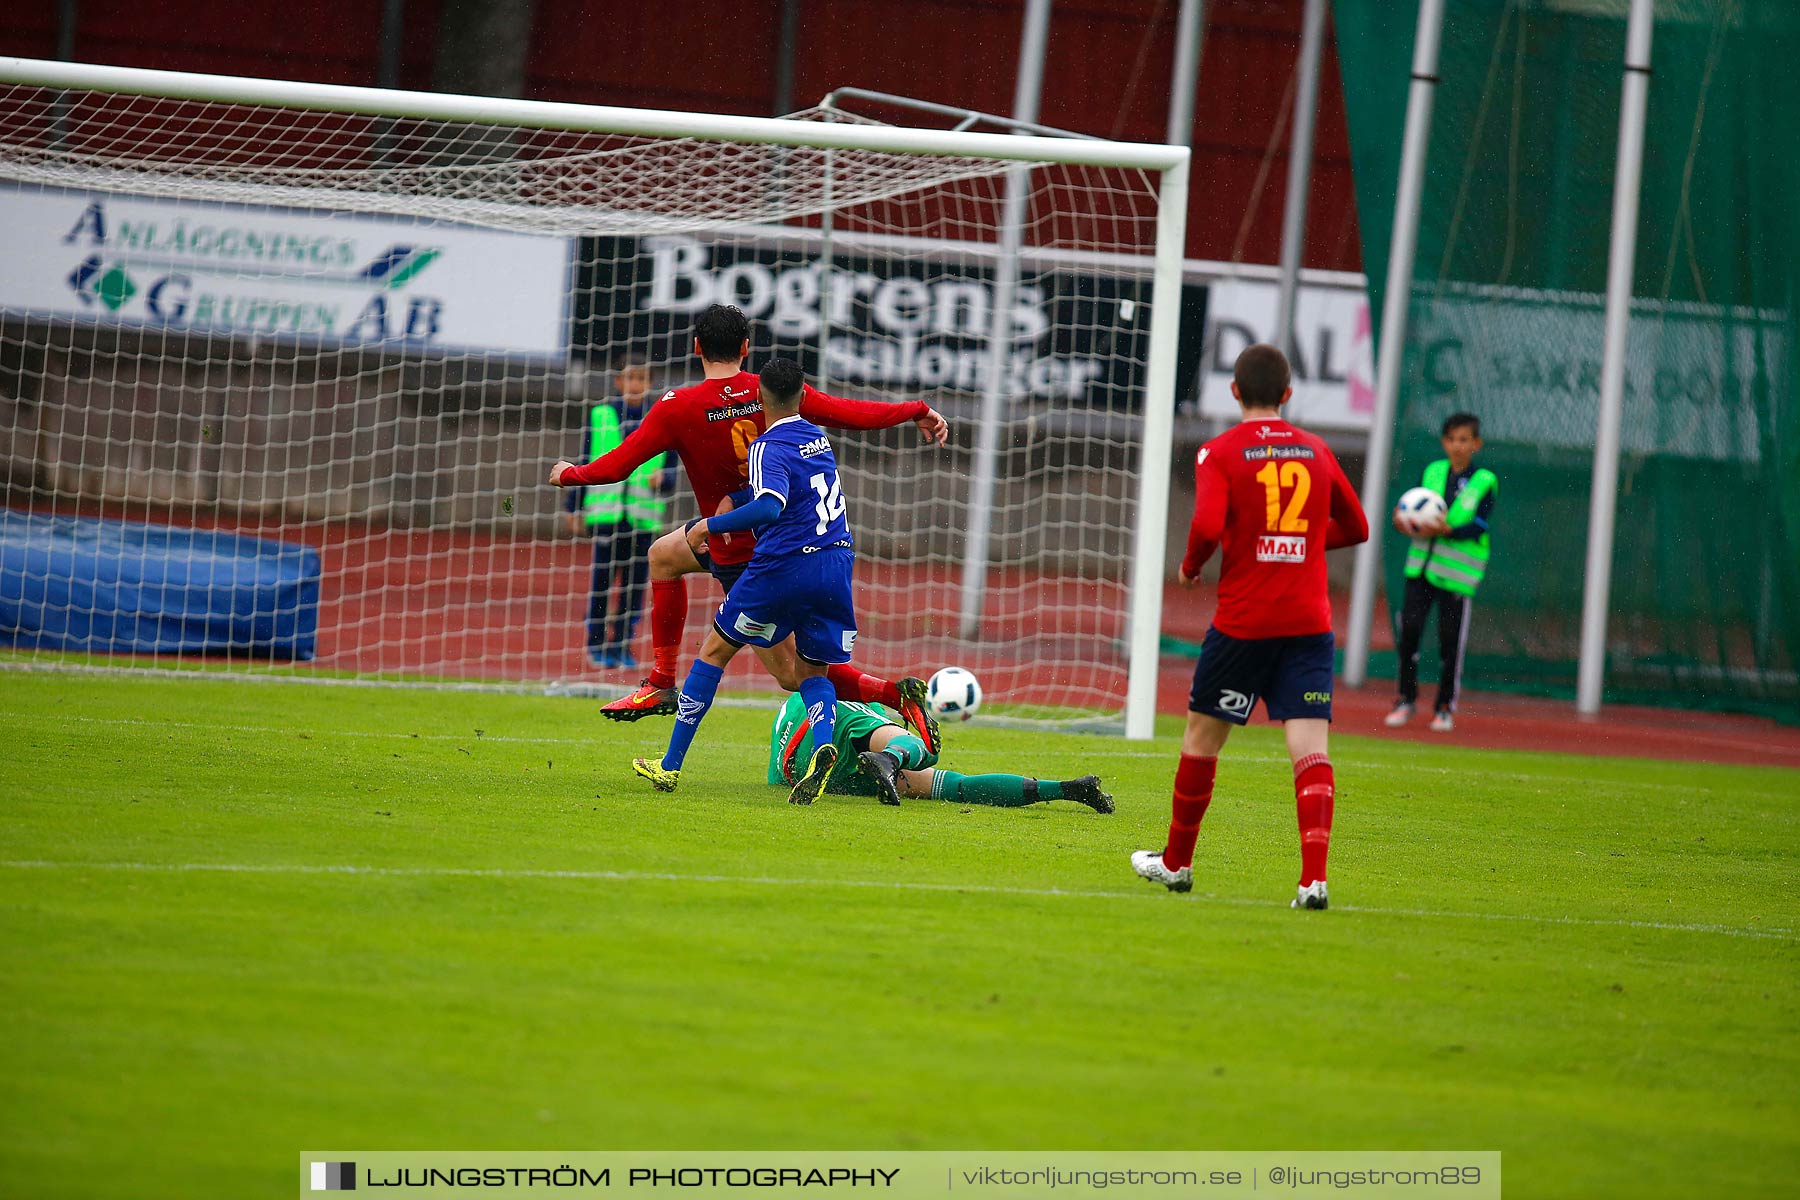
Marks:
<point>855,724</point>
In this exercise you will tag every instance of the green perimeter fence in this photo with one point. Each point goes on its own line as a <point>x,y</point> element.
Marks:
<point>1506,316</point>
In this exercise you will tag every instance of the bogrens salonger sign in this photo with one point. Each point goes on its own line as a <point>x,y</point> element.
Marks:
<point>245,271</point>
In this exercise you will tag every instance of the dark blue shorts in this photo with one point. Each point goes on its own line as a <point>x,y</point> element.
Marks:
<point>726,573</point>
<point>1291,674</point>
<point>806,595</point>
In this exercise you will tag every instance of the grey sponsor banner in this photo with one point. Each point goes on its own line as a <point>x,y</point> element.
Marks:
<point>1529,363</point>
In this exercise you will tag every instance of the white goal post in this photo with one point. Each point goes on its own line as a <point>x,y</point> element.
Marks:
<point>391,440</point>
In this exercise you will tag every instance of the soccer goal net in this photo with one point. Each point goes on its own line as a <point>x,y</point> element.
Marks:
<point>283,368</point>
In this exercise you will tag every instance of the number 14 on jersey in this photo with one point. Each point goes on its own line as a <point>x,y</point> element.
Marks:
<point>830,504</point>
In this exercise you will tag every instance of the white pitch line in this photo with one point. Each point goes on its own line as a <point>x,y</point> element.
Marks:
<point>898,885</point>
<point>293,732</point>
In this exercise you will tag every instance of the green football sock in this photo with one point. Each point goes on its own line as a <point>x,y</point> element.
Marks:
<point>998,791</point>
<point>909,750</point>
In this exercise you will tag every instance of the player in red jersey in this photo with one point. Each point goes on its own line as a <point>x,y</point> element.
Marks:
<point>1274,496</point>
<point>710,426</point>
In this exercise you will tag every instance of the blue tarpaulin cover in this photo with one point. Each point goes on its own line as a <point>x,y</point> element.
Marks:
<point>86,583</point>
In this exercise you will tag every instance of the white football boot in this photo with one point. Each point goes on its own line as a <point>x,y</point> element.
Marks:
<point>1400,716</point>
<point>1443,722</point>
<point>1311,896</point>
<point>1149,865</point>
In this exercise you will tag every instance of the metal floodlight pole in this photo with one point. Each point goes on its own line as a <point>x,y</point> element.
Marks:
<point>1190,24</point>
<point>67,18</point>
<point>1394,306</point>
<point>1621,262</point>
<point>1027,90</point>
<point>787,46</point>
<point>387,71</point>
<point>391,38</point>
<point>1143,608</point>
<point>1299,182</point>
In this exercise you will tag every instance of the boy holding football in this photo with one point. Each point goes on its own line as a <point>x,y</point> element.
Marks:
<point>1444,566</point>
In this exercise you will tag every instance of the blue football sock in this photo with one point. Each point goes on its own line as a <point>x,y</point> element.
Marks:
<point>697,693</point>
<point>820,699</point>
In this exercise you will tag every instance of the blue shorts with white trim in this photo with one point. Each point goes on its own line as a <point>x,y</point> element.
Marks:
<point>806,595</point>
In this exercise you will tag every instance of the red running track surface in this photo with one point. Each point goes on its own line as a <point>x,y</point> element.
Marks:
<point>478,607</point>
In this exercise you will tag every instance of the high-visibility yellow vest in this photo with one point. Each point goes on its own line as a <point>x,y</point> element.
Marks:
<point>636,500</point>
<point>1454,564</point>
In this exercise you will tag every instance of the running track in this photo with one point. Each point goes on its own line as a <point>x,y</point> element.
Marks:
<point>479,607</point>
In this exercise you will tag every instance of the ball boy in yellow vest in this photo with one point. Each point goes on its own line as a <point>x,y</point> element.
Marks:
<point>1444,566</point>
<point>622,518</point>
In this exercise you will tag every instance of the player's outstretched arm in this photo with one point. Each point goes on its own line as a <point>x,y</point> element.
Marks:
<point>651,438</point>
<point>841,413</point>
<point>933,427</point>
<point>754,515</point>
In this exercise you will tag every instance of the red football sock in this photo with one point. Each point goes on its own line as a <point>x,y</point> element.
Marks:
<point>1314,791</point>
<point>1193,792</point>
<point>852,684</point>
<point>668,619</point>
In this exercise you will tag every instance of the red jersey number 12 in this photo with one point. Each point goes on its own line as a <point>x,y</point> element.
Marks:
<point>1292,475</point>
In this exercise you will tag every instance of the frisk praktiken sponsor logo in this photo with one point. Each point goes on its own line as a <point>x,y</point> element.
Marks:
<point>731,411</point>
<point>1260,453</point>
<point>334,1177</point>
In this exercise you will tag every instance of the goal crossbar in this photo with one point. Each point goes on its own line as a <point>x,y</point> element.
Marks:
<point>587,118</point>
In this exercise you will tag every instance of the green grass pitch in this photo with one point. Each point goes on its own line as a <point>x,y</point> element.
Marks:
<point>456,921</point>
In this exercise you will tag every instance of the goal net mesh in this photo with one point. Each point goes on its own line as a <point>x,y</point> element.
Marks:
<point>279,388</point>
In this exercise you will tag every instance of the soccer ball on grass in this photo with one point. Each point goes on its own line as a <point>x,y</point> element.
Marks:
<point>953,693</point>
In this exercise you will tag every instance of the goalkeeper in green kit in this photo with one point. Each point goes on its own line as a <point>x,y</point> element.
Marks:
<point>878,756</point>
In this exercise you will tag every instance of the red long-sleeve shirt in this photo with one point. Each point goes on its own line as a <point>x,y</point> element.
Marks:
<point>710,426</point>
<point>1277,499</point>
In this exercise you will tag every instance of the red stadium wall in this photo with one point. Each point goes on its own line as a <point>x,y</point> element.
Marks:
<point>1108,73</point>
